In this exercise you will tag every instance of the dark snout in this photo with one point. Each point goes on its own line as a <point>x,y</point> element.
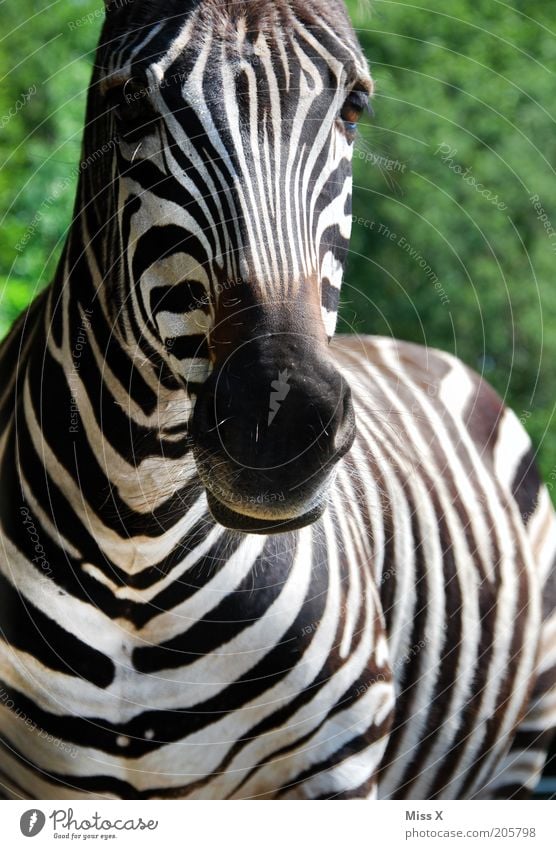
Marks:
<point>269,426</point>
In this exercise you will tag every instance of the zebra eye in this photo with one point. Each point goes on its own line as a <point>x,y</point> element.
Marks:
<point>354,105</point>
<point>132,109</point>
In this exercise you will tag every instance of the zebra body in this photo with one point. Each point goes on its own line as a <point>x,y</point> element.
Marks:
<point>375,617</point>
<point>392,595</point>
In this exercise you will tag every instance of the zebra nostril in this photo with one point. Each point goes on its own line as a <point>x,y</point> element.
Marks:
<point>204,424</point>
<point>345,433</point>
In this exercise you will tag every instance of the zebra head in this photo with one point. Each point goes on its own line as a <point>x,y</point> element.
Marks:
<point>228,202</point>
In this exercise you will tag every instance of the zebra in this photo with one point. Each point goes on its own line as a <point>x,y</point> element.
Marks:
<point>241,558</point>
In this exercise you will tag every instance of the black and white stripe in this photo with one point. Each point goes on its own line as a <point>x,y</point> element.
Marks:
<point>403,644</point>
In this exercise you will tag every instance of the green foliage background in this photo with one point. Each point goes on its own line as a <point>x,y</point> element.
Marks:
<point>477,79</point>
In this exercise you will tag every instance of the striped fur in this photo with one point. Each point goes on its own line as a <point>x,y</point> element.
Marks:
<point>403,645</point>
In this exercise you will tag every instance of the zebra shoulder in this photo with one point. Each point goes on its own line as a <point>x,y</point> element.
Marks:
<point>458,394</point>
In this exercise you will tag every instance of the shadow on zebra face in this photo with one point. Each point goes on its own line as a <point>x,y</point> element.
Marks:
<point>235,125</point>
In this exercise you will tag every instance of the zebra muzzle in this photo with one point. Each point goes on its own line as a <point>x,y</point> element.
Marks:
<point>268,434</point>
